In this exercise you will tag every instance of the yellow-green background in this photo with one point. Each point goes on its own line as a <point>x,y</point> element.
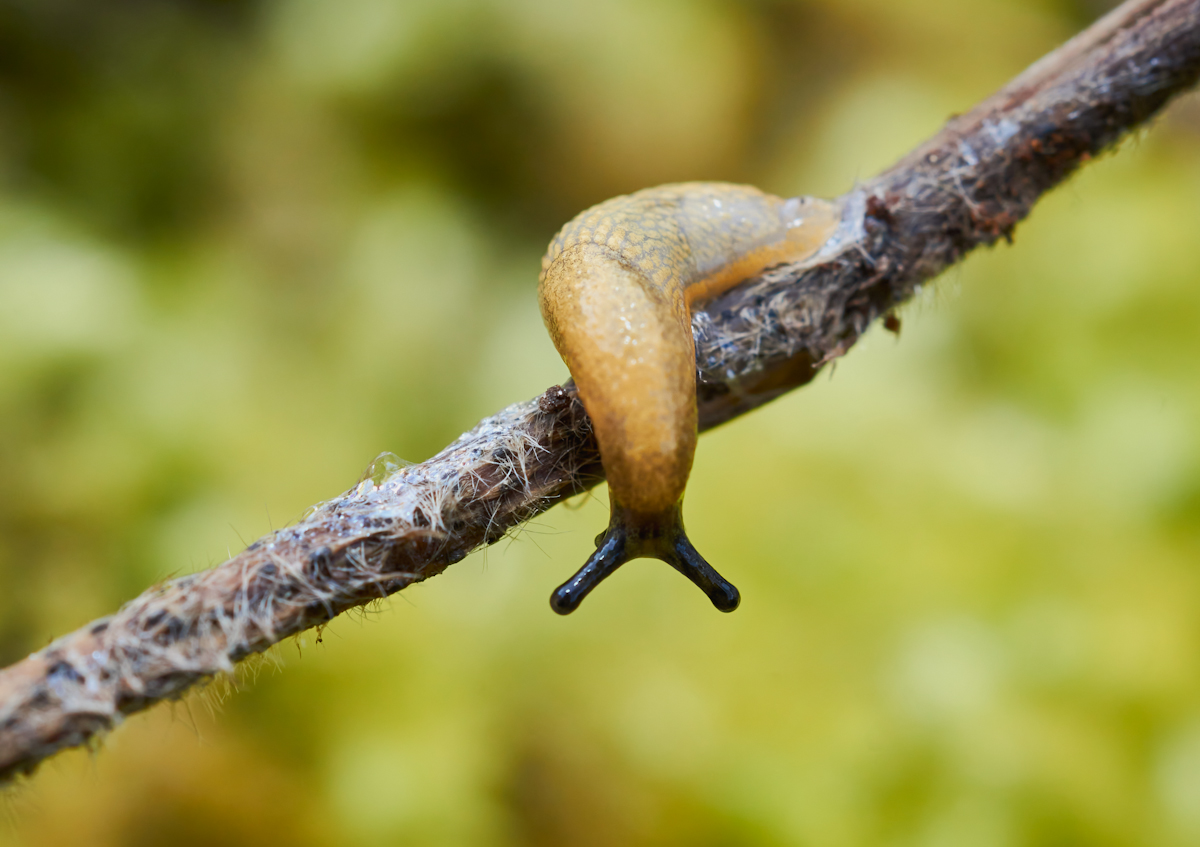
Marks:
<point>246,246</point>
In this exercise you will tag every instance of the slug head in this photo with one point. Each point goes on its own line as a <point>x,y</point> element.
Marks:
<point>630,536</point>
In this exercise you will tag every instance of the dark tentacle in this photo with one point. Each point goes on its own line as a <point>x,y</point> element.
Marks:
<point>610,554</point>
<point>691,564</point>
<point>659,537</point>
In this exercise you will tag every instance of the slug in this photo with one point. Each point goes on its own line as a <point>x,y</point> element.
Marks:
<point>617,288</point>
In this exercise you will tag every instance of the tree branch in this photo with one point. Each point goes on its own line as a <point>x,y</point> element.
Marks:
<point>967,186</point>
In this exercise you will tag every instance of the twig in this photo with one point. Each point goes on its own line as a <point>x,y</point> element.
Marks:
<point>968,186</point>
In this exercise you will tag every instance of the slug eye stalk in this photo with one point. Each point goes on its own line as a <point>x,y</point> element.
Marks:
<point>628,538</point>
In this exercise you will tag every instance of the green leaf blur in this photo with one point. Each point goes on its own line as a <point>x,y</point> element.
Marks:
<point>247,246</point>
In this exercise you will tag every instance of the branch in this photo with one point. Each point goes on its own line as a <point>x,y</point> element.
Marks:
<point>967,186</point>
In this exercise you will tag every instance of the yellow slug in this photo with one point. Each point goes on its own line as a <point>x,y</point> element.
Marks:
<point>617,287</point>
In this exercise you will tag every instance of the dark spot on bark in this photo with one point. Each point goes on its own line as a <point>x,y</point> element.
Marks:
<point>320,561</point>
<point>554,401</point>
<point>319,609</point>
<point>63,671</point>
<point>877,208</point>
<point>175,629</point>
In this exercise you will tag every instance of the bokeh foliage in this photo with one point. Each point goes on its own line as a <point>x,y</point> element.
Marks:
<point>246,246</point>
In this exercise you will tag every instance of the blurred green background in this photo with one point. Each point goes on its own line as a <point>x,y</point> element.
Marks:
<point>246,246</point>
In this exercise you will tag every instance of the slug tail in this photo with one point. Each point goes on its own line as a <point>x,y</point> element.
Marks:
<point>660,537</point>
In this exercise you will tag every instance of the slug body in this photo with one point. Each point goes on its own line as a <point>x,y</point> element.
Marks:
<point>616,290</point>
